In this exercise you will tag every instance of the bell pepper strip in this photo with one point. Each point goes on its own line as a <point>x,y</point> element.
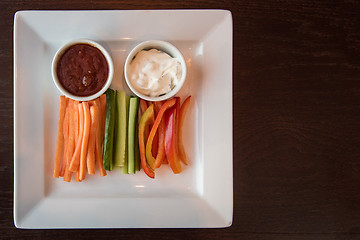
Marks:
<point>171,141</point>
<point>177,107</point>
<point>183,110</point>
<point>143,106</point>
<point>151,160</point>
<point>146,119</point>
<point>160,156</point>
<point>155,147</point>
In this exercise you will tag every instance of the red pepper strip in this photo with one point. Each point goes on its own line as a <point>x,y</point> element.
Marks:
<point>160,156</point>
<point>143,105</point>
<point>177,107</point>
<point>146,119</point>
<point>171,141</point>
<point>183,110</point>
<point>155,147</point>
<point>151,160</point>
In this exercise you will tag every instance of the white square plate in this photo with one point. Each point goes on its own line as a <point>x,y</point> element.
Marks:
<point>201,196</point>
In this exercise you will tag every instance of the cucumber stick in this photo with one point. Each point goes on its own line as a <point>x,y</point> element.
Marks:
<point>109,130</point>
<point>122,106</point>
<point>133,116</point>
<point>137,150</point>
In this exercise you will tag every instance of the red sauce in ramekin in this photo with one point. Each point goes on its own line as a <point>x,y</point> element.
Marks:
<point>82,70</point>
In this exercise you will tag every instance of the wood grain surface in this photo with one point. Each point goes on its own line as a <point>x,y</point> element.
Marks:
<point>296,120</point>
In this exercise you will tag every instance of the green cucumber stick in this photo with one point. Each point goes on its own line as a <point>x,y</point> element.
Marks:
<point>121,129</point>
<point>124,168</point>
<point>109,130</point>
<point>137,150</point>
<point>133,110</point>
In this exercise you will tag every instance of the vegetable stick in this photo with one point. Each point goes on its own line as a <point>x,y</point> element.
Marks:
<point>146,119</point>
<point>99,158</point>
<point>77,176</point>
<point>102,109</point>
<point>76,122</point>
<point>66,137</point>
<point>75,160</point>
<point>60,137</point>
<point>90,159</point>
<point>71,142</point>
<point>160,138</point>
<point>100,134</point>
<point>143,107</point>
<point>132,122</point>
<point>67,174</point>
<point>183,110</point>
<point>109,130</point>
<point>85,139</point>
<point>121,128</point>
<point>149,144</point>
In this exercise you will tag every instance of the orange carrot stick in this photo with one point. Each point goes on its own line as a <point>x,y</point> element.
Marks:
<point>77,176</point>
<point>102,109</point>
<point>85,139</point>
<point>99,139</point>
<point>66,138</point>
<point>60,137</point>
<point>90,159</point>
<point>71,142</point>
<point>78,114</point>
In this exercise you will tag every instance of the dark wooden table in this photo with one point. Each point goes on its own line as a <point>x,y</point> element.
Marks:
<point>296,120</point>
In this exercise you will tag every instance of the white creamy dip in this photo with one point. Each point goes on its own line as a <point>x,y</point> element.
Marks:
<point>154,73</point>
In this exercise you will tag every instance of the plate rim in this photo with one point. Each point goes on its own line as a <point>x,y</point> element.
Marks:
<point>17,16</point>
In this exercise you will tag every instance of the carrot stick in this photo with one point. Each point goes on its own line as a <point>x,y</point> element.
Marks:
<point>67,174</point>
<point>100,135</point>
<point>90,160</point>
<point>85,139</point>
<point>66,138</point>
<point>77,176</point>
<point>60,137</point>
<point>78,115</point>
<point>71,142</point>
<point>102,109</point>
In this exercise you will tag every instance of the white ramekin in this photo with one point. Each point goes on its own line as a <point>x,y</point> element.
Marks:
<point>165,47</point>
<point>62,50</point>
